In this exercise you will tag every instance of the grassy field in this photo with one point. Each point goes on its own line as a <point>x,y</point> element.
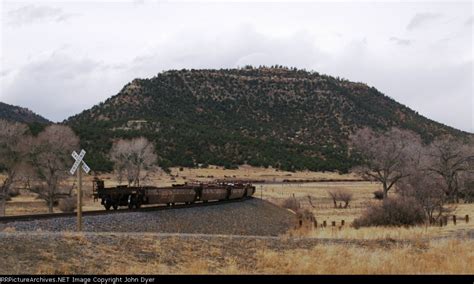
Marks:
<point>108,253</point>
<point>377,250</point>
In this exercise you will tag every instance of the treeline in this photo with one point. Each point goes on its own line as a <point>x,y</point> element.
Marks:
<point>38,158</point>
<point>425,177</point>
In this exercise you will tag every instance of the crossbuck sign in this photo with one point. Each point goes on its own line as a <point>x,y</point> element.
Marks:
<point>86,169</point>
<point>78,159</point>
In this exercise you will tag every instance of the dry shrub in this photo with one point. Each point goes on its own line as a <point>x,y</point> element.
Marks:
<point>400,211</point>
<point>378,194</point>
<point>305,214</point>
<point>291,203</point>
<point>339,194</point>
<point>67,204</point>
<point>468,192</point>
<point>13,192</point>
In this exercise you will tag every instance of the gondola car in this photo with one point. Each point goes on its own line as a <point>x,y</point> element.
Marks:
<point>188,193</point>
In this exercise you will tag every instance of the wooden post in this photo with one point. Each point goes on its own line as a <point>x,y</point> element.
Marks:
<point>467,218</point>
<point>441,222</point>
<point>324,224</point>
<point>334,223</point>
<point>315,224</point>
<point>79,200</point>
<point>454,219</point>
<point>342,223</point>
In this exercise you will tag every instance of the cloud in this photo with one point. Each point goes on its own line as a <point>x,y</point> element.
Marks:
<point>236,47</point>
<point>421,19</point>
<point>401,41</point>
<point>31,14</point>
<point>469,21</point>
<point>59,85</point>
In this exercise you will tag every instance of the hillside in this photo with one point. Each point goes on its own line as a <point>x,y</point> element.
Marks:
<point>286,118</point>
<point>19,114</point>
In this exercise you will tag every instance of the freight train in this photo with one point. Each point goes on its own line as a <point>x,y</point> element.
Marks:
<point>187,193</point>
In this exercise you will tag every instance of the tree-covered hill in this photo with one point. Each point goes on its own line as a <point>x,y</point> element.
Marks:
<point>20,114</point>
<point>286,118</point>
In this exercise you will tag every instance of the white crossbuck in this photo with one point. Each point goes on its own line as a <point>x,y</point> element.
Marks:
<point>78,158</point>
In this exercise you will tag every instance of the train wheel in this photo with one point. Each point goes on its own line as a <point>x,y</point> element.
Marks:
<point>107,204</point>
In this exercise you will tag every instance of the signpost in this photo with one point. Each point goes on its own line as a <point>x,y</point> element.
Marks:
<point>79,162</point>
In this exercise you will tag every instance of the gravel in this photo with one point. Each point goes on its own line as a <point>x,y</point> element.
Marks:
<point>250,217</point>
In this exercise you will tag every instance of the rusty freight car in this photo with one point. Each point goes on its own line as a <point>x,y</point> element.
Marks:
<point>188,193</point>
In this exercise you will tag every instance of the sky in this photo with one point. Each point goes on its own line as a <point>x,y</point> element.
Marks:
<point>58,58</point>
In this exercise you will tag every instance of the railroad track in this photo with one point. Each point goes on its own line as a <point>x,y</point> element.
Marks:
<point>33,217</point>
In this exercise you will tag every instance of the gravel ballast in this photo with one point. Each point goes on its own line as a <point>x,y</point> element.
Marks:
<point>249,217</point>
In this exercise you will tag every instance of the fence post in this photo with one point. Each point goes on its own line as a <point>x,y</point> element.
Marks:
<point>342,223</point>
<point>445,219</point>
<point>334,223</point>
<point>324,224</point>
<point>467,218</point>
<point>441,222</point>
<point>315,224</point>
<point>454,219</point>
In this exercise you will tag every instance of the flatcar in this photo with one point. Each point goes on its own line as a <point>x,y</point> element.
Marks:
<point>187,193</point>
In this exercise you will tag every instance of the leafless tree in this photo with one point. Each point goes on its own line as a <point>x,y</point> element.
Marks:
<point>385,156</point>
<point>451,159</point>
<point>50,159</point>
<point>133,159</point>
<point>427,189</point>
<point>14,139</point>
<point>340,195</point>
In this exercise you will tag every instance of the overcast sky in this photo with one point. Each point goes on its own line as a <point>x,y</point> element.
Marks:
<point>59,58</point>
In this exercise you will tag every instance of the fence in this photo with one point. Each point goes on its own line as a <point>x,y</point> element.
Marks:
<point>311,222</point>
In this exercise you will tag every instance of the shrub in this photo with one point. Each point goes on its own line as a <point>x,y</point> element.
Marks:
<point>304,214</point>
<point>400,211</point>
<point>291,203</point>
<point>343,195</point>
<point>14,191</point>
<point>67,204</point>
<point>378,195</point>
<point>468,192</point>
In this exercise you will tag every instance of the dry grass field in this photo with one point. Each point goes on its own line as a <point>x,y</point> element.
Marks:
<point>305,250</point>
<point>111,253</point>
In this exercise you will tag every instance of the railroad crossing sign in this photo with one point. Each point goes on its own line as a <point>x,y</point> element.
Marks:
<point>79,162</point>
<point>78,159</point>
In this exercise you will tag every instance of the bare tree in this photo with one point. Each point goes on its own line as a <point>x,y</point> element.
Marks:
<point>133,159</point>
<point>427,189</point>
<point>340,195</point>
<point>50,159</point>
<point>385,156</point>
<point>14,140</point>
<point>451,159</point>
